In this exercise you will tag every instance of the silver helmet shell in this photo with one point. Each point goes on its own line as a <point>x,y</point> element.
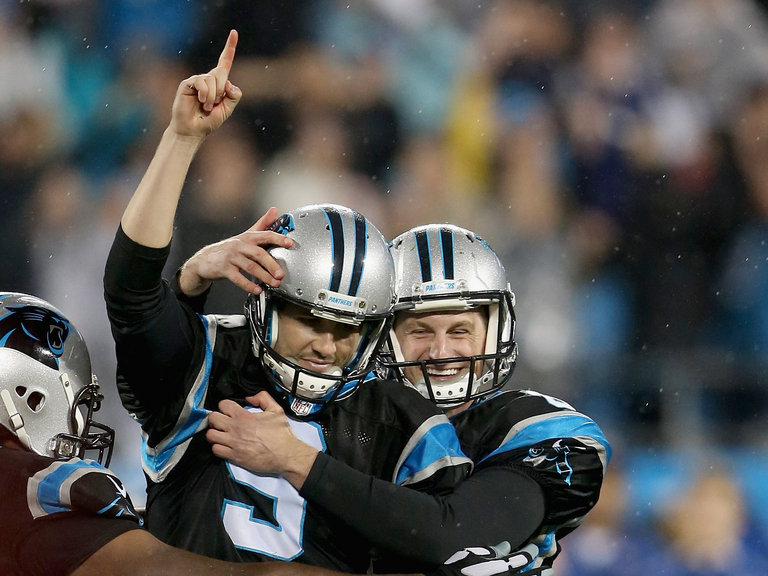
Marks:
<point>48,393</point>
<point>339,268</point>
<point>442,267</point>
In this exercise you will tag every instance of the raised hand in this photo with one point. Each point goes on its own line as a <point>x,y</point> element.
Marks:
<point>237,259</point>
<point>202,104</point>
<point>204,101</point>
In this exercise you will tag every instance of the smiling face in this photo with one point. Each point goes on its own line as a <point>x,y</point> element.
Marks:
<point>440,335</point>
<point>314,343</point>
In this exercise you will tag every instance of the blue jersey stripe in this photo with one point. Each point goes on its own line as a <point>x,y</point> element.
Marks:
<point>50,488</point>
<point>438,443</point>
<point>191,419</point>
<point>563,424</point>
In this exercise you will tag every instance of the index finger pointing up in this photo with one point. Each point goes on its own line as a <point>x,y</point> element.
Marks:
<point>228,54</point>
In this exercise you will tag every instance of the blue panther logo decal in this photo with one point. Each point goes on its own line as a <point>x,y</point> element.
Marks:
<point>555,455</point>
<point>37,332</point>
<point>283,225</point>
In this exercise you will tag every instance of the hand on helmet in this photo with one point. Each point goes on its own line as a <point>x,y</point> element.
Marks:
<point>204,101</point>
<point>239,259</point>
<point>490,561</point>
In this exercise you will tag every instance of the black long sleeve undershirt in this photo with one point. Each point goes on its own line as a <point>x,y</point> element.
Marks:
<point>495,503</point>
<point>153,336</point>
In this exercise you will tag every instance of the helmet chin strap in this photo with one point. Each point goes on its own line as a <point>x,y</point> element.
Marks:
<point>287,374</point>
<point>460,382</point>
<point>65,383</point>
<point>308,386</point>
<point>397,352</point>
<point>17,422</point>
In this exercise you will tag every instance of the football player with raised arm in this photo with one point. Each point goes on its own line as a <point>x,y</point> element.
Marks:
<point>62,513</point>
<point>539,463</point>
<point>316,314</point>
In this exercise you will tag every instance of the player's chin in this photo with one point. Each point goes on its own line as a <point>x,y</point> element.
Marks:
<point>320,368</point>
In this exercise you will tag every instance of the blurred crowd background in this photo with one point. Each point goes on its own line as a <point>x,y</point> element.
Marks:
<point>614,153</point>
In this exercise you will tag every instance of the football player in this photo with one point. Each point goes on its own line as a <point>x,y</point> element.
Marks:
<point>61,512</point>
<point>453,340</point>
<point>539,463</point>
<point>314,321</point>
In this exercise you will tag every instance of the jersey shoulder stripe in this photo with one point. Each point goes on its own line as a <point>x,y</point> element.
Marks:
<point>559,424</point>
<point>514,419</point>
<point>159,460</point>
<point>78,485</point>
<point>433,446</point>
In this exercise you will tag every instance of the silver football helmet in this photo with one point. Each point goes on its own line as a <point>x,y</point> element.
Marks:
<point>48,393</point>
<point>441,267</point>
<point>340,269</point>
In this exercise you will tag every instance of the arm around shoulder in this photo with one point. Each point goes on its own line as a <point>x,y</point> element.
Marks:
<point>494,504</point>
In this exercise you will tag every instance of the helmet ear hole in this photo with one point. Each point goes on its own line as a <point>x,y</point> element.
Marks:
<point>36,401</point>
<point>20,391</point>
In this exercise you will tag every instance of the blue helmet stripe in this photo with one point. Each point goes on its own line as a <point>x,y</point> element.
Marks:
<point>337,241</point>
<point>422,245</point>
<point>446,246</point>
<point>361,246</point>
<point>4,339</point>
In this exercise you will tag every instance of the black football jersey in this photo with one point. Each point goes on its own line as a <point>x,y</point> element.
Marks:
<point>57,513</point>
<point>201,503</point>
<point>565,451</point>
<point>175,365</point>
<point>539,466</point>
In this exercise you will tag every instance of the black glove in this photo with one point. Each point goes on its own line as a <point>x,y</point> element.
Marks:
<point>490,561</point>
